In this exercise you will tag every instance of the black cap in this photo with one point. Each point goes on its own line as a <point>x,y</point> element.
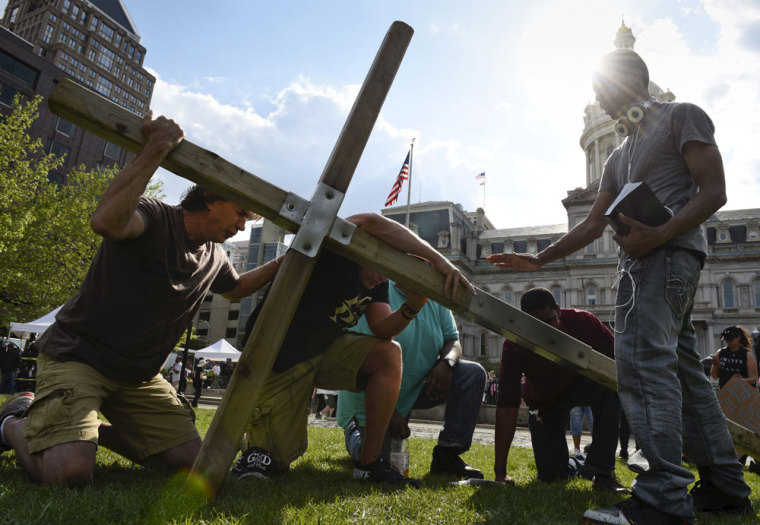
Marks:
<point>730,332</point>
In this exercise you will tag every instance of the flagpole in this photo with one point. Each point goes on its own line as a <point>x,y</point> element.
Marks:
<point>484,194</point>
<point>409,187</point>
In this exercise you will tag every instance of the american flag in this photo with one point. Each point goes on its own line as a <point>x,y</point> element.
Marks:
<point>402,176</point>
<point>481,176</point>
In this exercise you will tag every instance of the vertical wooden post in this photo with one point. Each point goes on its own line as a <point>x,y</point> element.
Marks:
<point>221,442</point>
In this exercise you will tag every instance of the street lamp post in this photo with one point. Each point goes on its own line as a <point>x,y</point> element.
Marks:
<point>182,377</point>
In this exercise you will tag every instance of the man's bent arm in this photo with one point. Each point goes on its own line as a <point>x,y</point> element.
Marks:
<point>253,280</point>
<point>706,168</point>
<point>384,322</point>
<point>451,349</point>
<point>115,217</point>
<point>506,423</point>
<point>401,238</point>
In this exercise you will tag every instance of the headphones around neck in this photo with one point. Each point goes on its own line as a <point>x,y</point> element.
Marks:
<point>633,116</point>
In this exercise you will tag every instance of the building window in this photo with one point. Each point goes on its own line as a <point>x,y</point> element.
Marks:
<point>590,248</point>
<point>93,22</point>
<point>112,151</point>
<point>591,295</point>
<point>231,333</point>
<point>521,246</point>
<point>557,293</point>
<point>6,95</point>
<point>103,86</point>
<point>18,69</point>
<point>729,294</point>
<point>58,149</point>
<point>106,32</point>
<point>204,316</point>
<point>756,293</point>
<point>543,244</point>
<point>482,344</point>
<point>64,127</point>
<point>233,315</point>
<point>508,296</point>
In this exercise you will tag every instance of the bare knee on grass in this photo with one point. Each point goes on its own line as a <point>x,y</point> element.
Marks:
<point>68,464</point>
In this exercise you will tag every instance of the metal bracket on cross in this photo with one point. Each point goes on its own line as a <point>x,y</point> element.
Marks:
<point>102,117</point>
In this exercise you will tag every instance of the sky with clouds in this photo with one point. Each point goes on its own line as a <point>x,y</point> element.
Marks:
<point>494,86</point>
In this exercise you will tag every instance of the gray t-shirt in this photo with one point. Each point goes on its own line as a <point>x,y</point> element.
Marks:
<point>138,297</point>
<point>656,156</point>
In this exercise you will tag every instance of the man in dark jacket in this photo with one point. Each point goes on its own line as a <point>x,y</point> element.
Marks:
<point>10,361</point>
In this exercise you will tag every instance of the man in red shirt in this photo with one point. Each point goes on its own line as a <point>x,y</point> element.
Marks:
<point>550,391</point>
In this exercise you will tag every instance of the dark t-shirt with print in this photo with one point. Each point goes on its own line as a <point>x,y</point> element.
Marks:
<point>333,302</point>
<point>731,363</point>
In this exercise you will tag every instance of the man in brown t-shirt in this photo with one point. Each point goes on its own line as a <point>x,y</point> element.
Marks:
<point>154,267</point>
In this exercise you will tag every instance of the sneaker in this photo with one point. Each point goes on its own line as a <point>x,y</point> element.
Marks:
<point>446,460</point>
<point>15,405</point>
<point>610,484</point>
<point>381,472</point>
<point>631,512</point>
<point>255,462</point>
<point>707,498</point>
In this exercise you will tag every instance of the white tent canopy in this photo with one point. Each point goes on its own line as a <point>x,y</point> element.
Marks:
<point>219,351</point>
<point>37,326</point>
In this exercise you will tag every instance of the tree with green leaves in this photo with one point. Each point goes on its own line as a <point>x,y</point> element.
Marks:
<point>46,243</point>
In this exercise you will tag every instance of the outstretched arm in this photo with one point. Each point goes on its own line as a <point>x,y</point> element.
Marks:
<point>396,235</point>
<point>115,217</point>
<point>579,236</point>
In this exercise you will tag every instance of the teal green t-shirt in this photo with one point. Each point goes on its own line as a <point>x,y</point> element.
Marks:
<point>421,343</point>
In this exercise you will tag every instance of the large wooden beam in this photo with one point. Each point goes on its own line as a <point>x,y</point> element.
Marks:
<point>104,118</point>
<point>255,364</point>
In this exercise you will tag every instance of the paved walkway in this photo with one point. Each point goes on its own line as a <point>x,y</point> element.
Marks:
<point>484,434</point>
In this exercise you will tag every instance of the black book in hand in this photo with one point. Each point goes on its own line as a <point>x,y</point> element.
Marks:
<point>637,201</point>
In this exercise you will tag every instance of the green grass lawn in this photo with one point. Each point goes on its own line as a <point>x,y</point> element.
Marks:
<point>318,489</point>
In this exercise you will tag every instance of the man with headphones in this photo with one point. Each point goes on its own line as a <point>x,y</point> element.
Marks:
<point>662,387</point>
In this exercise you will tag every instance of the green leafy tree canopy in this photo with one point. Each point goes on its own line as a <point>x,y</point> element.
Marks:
<point>46,243</point>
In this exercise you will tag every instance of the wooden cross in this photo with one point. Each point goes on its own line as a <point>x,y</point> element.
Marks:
<point>315,221</point>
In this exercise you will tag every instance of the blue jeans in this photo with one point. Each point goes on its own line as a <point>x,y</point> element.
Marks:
<point>9,382</point>
<point>465,396</point>
<point>662,387</point>
<point>547,431</point>
<point>577,414</point>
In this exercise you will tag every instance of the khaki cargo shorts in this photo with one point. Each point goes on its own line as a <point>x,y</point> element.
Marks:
<point>279,421</point>
<point>150,417</point>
